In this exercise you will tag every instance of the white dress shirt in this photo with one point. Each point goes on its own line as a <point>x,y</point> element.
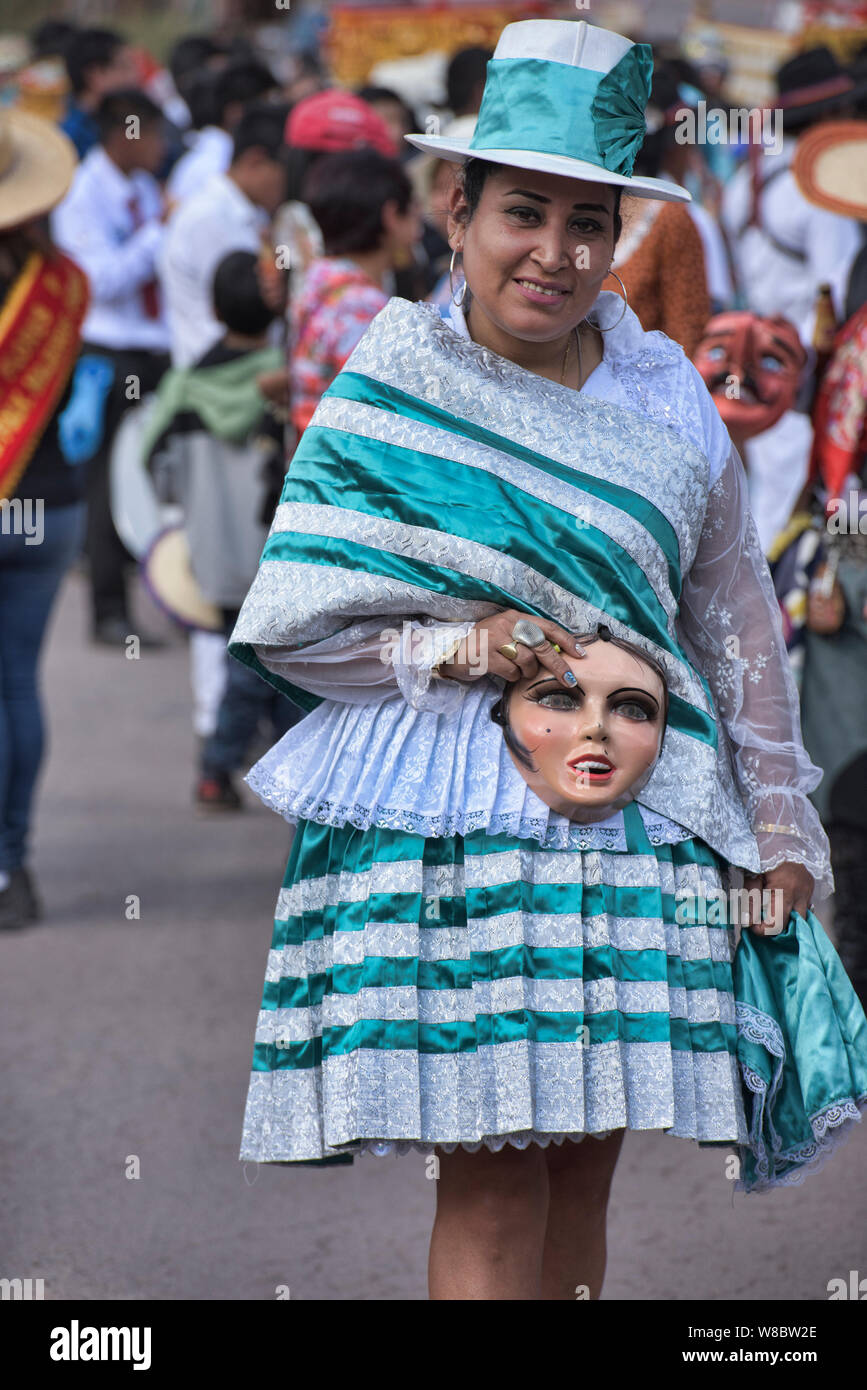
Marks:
<point>716,266</point>
<point>116,246</point>
<point>211,154</point>
<point>772,281</point>
<point>208,226</point>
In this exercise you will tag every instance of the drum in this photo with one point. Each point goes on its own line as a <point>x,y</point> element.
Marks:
<point>168,576</point>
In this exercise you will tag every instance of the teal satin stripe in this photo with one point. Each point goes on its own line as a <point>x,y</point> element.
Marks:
<point>516,1026</point>
<point>592,900</point>
<point>353,386</point>
<point>534,104</point>
<point>560,109</point>
<point>513,962</point>
<point>331,849</point>
<point>352,555</point>
<point>351,472</point>
<point>689,851</point>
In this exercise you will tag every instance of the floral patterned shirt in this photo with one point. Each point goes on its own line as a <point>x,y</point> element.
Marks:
<point>330,316</point>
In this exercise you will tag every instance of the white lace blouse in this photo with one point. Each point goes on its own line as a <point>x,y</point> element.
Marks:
<point>391,745</point>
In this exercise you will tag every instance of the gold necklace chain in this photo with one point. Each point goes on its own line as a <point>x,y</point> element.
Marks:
<point>577,333</point>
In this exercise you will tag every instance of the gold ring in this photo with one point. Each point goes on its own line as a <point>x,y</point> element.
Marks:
<point>508,649</point>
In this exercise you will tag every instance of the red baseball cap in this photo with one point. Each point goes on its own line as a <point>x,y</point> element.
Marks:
<point>337,120</point>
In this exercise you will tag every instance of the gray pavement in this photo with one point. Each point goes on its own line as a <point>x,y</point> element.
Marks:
<point>125,1038</point>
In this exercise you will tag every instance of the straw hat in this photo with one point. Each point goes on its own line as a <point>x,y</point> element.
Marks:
<point>563,97</point>
<point>37,162</point>
<point>830,167</point>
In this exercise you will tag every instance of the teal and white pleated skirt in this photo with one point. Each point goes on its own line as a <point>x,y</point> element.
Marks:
<point>480,989</point>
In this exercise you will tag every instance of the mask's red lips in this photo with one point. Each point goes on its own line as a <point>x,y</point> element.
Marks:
<point>593,767</point>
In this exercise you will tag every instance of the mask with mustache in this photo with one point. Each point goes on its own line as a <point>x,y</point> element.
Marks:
<point>752,367</point>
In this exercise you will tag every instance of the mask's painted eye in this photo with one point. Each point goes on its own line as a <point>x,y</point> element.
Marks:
<point>559,700</point>
<point>716,354</point>
<point>633,709</point>
<point>769,363</point>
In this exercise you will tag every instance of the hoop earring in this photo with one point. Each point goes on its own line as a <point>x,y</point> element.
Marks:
<point>625,304</point>
<point>463,290</point>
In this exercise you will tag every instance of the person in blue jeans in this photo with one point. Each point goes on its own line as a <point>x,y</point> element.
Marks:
<point>31,571</point>
<point>43,300</point>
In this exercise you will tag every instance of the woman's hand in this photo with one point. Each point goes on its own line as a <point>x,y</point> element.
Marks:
<point>791,887</point>
<point>478,653</point>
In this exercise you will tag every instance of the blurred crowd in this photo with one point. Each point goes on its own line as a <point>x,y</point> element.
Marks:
<point>219,234</point>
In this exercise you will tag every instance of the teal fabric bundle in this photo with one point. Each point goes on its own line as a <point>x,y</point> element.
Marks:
<point>802,1050</point>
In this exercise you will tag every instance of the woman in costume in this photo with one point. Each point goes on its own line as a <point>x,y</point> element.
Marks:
<point>443,937</point>
<point>43,299</point>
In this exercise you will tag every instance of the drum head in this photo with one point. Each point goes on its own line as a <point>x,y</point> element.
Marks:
<point>136,510</point>
<point>168,577</point>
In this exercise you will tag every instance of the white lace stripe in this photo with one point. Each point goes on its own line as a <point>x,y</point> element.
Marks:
<point>294,602</point>
<point>497,800</point>
<point>554,866</point>
<point>486,997</point>
<point>371,422</point>
<point>508,1089</point>
<point>467,557</point>
<point>490,871</point>
<point>400,940</point>
<point>400,876</point>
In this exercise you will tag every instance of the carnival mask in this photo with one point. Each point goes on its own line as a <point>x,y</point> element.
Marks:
<point>585,752</point>
<point>752,368</point>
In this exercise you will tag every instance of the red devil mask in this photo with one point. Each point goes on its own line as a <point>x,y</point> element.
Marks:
<point>752,368</point>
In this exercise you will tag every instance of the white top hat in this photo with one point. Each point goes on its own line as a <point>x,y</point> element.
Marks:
<point>563,97</point>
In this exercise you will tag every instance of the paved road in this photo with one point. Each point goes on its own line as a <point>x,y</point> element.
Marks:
<point>133,1038</point>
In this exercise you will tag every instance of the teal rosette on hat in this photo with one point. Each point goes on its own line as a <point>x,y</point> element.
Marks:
<point>617,110</point>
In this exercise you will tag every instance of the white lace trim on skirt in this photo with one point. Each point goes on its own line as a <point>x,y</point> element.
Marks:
<point>422,772</point>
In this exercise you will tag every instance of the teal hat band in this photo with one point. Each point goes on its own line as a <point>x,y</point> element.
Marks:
<point>555,108</point>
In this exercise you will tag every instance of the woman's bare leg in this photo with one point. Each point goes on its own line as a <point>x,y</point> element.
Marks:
<point>579,1179</point>
<point>489,1232</point>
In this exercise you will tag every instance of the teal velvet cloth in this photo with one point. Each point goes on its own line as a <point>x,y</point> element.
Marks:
<point>555,108</point>
<point>802,1050</point>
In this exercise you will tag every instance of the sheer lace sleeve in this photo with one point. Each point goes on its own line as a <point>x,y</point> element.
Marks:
<point>372,661</point>
<point>730,619</point>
